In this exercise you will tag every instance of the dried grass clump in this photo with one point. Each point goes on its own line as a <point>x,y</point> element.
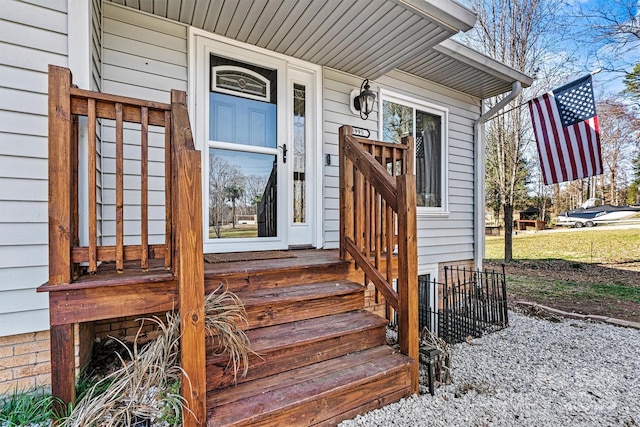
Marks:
<point>137,390</point>
<point>147,387</point>
<point>443,365</point>
<point>225,317</point>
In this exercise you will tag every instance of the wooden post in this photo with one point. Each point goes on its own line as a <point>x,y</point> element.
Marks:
<point>60,176</point>
<point>61,205</point>
<point>408,273</point>
<point>190,263</point>
<point>346,192</point>
<point>408,155</point>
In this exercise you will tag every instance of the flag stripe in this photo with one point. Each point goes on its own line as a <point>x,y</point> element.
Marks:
<point>577,136</point>
<point>550,120</point>
<point>544,149</point>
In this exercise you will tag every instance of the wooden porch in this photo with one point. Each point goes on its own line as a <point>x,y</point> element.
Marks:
<point>323,358</point>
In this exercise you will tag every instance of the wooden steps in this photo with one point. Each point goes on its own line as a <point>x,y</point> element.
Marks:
<point>301,343</point>
<point>320,394</point>
<point>321,358</point>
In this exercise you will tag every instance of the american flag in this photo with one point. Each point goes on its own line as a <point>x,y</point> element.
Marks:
<point>565,125</point>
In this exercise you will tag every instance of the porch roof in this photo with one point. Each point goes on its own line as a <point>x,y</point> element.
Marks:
<point>366,38</point>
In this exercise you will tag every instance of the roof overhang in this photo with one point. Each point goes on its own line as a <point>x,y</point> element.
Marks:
<point>363,37</point>
<point>459,67</point>
<point>367,38</point>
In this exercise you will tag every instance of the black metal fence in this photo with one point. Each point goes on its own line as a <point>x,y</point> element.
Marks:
<point>468,303</point>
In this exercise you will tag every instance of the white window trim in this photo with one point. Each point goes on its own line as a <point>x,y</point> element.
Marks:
<point>387,95</point>
<point>432,271</point>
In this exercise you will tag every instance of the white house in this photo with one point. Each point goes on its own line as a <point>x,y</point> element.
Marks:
<point>268,83</point>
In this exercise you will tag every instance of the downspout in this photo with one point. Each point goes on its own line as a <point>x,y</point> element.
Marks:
<point>478,137</point>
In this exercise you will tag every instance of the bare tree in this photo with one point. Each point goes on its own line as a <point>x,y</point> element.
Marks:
<point>613,29</point>
<point>619,130</point>
<point>254,189</point>
<point>513,32</point>
<point>222,175</point>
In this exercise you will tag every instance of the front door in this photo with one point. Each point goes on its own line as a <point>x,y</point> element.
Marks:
<point>258,123</point>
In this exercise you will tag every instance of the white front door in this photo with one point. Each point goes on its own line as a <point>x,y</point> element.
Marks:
<point>256,127</point>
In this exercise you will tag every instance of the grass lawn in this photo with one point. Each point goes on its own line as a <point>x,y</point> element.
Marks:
<point>584,245</point>
<point>239,231</point>
<point>589,271</point>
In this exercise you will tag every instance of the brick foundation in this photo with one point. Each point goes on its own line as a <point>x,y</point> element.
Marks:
<point>25,359</point>
<point>25,362</point>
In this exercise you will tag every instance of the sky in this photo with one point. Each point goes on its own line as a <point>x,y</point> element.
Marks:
<point>572,50</point>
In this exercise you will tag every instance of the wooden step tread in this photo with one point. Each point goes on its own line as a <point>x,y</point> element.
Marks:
<point>273,306</point>
<point>313,329</point>
<point>296,344</point>
<point>314,393</point>
<point>308,266</point>
<point>302,259</point>
<point>298,292</point>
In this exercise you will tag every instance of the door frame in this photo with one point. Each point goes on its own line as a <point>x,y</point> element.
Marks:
<point>201,44</point>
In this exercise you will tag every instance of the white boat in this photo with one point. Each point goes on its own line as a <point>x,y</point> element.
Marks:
<point>594,212</point>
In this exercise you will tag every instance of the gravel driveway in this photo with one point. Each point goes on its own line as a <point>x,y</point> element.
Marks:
<point>534,373</point>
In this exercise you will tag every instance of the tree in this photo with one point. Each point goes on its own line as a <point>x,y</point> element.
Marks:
<point>233,192</point>
<point>510,31</point>
<point>613,29</point>
<point>254,190</point>
<point>222,175</point>
<point>632,83</point>
<point>618,138</point>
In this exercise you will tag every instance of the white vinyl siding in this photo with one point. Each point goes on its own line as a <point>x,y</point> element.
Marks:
<point>143,57</point>
<point>32,35</point>
<point>96,45</point>
<point>442,238</point>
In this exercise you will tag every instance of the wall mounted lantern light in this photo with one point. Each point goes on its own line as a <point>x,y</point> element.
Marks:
<point>364,101</point>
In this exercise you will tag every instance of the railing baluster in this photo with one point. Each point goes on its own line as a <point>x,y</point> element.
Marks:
<point>92,200</point>
<point>144,188</point>
<point>168,240</point>
<point>119,188</point>
<point>75,239</point>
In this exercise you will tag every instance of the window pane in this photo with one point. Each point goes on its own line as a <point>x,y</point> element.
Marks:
<point>242,194</point>
<point>428,159</point>
<point>242,120</point>
<point>299,154</point>
<point>397,121</point>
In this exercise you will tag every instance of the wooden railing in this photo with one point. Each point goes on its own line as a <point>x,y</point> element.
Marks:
<point>378,226</point>
<point>66,106</point>
<point>182,249</point>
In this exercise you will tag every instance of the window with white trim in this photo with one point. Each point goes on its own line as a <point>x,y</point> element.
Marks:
<point>403,116</point>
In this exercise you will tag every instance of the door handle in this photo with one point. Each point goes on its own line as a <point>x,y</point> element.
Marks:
<point>283,147</point>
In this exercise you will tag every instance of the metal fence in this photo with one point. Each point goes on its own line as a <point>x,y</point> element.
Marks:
<point>468,303</point>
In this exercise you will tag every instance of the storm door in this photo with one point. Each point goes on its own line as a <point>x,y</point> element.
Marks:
<point>245,159</point>
<point>257,118</point>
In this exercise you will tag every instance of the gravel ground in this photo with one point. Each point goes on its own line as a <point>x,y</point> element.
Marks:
<point>534,373</point>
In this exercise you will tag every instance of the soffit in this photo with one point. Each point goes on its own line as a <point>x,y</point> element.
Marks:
<point>366,38</point>
<point>459,67</point>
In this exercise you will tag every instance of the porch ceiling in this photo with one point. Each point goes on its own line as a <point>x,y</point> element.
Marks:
<point>363,37</point>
